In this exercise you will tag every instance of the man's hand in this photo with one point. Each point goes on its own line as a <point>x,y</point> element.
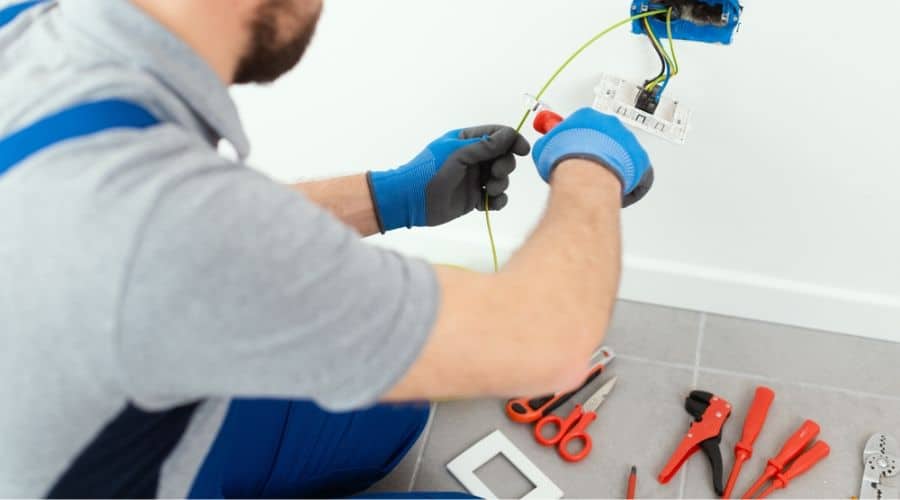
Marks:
<point>449,178</point>
<point>591,135</point>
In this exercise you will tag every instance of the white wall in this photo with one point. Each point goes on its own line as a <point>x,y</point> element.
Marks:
<point>783,206</point>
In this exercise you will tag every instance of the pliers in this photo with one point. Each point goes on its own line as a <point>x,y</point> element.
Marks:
<point>882,465</point>
<point>710,413</point>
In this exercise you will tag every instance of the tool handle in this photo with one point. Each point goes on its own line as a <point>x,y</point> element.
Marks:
<point>756,417</point>
<point>632,483</point>
<point>578,433</point>
<point>562,427</point>
<point>528,410</point>
<point>545,120</point>
<point>804,462</point>
<point>685,450</point>
<point>795,444</point>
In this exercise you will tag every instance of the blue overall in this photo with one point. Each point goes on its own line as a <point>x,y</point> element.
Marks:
<point>265,448</point>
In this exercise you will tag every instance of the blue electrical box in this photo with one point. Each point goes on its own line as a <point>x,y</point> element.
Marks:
<point>709,21</point>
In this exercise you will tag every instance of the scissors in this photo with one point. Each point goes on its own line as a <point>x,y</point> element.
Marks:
<point>574,427</point>
<point>528,410</point>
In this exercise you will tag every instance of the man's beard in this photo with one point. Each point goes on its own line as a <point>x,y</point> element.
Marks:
<point>269,55</point>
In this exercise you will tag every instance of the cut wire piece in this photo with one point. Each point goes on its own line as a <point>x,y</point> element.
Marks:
<point>618,97</point>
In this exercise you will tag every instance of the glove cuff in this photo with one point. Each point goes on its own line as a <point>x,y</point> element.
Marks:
<point>592,145</point>
<point>399,200</point>
<point>375,203</point>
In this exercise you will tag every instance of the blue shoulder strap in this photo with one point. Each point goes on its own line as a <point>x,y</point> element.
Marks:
<point>71,123</point>
<point>10,13</point>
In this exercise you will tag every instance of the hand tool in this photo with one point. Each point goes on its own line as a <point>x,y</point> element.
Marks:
<point>710,413</point>
<point>792,447</point>
<point>574,427</point>
<point>756,417</point>
<point>882,463</point>
<point>632,483</point>
<point>528,410</point>
<point>545,120</point>
<point>804,462</point>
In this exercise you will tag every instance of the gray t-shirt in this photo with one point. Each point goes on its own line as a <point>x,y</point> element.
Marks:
<point>142,268</point>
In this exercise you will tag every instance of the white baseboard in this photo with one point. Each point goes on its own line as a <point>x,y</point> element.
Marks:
<point>717,291</point>
<point>763,298</point>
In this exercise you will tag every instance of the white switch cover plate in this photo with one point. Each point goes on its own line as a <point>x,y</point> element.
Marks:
<point>496,443</point>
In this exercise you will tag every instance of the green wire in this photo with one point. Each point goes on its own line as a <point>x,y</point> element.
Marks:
<point>487,208</point>
<point>578,53</point>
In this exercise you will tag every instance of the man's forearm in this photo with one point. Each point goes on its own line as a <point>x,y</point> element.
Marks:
<point>348,198</point>
<point>576,249</point>
<point>532,327</point>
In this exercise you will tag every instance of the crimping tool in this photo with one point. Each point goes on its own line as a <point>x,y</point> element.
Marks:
<point>882,464</point>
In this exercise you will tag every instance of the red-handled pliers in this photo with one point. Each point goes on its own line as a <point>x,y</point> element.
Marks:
<point>529,410</point>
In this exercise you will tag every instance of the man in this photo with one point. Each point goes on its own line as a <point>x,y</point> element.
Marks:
<point>177,324</point>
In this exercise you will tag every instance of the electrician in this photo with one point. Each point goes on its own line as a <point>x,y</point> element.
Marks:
<point>176,324</point>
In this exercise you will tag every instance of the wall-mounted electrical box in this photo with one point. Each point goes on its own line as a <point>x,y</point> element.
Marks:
<point>709,21</point>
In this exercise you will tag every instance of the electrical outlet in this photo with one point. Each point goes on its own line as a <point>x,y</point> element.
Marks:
<point>708,21</point>
<point>623,99</point>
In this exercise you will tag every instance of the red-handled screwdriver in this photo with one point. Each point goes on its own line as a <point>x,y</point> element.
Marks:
<point>804,462</point>
<point>791,449</point>
<point>545,120</point>
<point>756,417</point>
<point>632,483</point>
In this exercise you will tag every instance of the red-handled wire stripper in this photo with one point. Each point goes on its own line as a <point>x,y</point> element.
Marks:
<point>710,413</point>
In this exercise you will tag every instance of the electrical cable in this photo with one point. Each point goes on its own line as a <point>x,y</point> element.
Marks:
<point>671,60</point>
<point>487,208</point>
<point>664,64</point>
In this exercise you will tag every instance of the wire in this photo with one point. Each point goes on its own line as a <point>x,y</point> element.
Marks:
<point>578,53</point>
<point>659,48</point>
<point>672,60</point>
<point>487,208</point>
<point>664,64</point>
<point>490,231</point>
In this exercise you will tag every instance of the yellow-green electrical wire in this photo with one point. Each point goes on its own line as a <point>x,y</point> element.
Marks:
<point>487,210</point>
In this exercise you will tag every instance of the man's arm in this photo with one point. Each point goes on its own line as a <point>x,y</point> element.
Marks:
<point>532,327</point>
<point>347,198</point>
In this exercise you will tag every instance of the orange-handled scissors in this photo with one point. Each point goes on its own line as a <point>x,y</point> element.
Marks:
<point>528,410</point>
<point>574,427</point>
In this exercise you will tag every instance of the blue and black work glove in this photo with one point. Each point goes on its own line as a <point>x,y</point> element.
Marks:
<point>591,135</point>
<point>449,178</point>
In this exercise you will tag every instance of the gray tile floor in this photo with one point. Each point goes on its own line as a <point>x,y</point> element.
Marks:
<point>850,386</point>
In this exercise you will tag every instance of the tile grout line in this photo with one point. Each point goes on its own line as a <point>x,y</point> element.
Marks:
<point>426,434</point>
<point>701,331</point>
<point>807,385</point>
<point>649,361</point>
<point>682,486</point>
<point>753,376</point>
